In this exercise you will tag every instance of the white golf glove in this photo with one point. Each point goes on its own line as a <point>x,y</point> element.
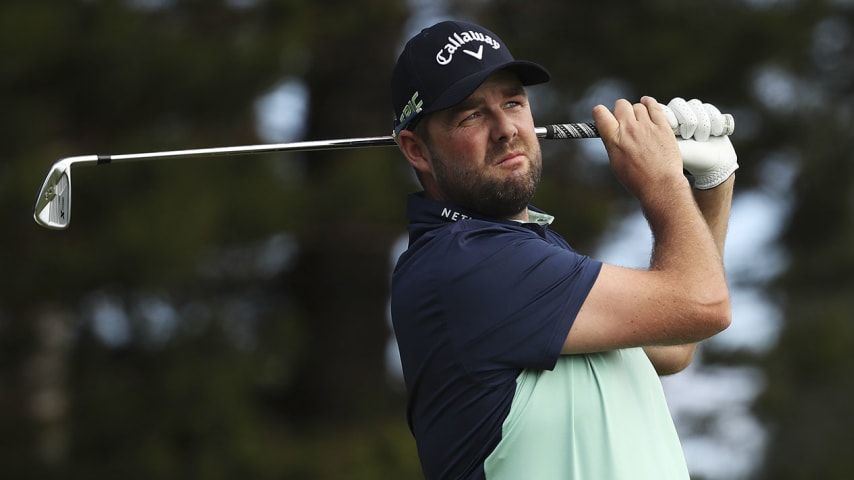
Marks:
<point>707,153</point>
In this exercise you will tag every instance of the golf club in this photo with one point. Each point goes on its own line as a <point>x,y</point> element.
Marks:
<point>53,204</point>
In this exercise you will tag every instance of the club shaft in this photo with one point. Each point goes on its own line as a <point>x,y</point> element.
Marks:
<point>345,143</point>
<point>53,203</point>
<point>561,131</point>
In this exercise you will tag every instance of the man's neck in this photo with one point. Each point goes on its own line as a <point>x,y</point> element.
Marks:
<point>521,216</point>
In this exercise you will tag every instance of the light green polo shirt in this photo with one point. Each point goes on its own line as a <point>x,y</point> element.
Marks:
<point>598,416</point>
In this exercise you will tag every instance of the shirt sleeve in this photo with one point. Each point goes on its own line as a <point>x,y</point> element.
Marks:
<point>512,296</point>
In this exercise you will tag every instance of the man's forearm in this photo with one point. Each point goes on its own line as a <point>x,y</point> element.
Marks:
<point>715,205</point>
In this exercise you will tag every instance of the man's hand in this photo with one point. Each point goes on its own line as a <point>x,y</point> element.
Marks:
<point>706,154</point>
<point>641,146</point>
<point>710,162</point>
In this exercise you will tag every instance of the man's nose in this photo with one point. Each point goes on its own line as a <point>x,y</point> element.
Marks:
<point>504,128</point>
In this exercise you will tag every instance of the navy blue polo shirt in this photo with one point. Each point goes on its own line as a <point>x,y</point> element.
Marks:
<point>474,302</point>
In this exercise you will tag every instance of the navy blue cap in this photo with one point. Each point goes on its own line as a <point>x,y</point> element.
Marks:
<point>441,66</point>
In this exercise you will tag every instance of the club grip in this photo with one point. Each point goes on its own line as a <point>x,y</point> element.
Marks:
<point>570,130</point>
<point>562,131</point>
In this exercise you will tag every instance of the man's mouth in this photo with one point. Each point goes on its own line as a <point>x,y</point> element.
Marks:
<point>511,160</point>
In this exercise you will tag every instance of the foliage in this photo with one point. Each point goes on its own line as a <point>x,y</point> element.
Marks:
<point>164,334</point>
<point>221,318</point>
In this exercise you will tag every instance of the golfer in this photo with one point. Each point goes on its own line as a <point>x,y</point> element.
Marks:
<point>524,359</point>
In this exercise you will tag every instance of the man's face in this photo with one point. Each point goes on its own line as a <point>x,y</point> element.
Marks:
<point>484,152</point>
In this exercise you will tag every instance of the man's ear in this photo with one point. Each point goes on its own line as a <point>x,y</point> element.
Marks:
<point>415,151</point>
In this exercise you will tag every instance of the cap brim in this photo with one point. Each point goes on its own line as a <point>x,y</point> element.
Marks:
<point>529,73</point>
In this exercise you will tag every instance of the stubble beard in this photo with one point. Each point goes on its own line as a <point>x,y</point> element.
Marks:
<point>467,186</point>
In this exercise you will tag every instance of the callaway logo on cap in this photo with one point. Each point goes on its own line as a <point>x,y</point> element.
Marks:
<point>441,66</point>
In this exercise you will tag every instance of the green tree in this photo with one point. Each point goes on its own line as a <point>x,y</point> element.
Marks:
<point>809,400</point>
<point>174,330</point>
<point>224,317</point>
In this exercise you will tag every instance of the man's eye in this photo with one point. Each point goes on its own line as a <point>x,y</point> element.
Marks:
<point>470,116</point>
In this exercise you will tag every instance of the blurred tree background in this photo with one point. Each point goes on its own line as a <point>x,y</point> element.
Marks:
<point>226,318</point>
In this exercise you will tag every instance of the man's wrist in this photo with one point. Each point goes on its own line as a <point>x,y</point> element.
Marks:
<point>713,179</point>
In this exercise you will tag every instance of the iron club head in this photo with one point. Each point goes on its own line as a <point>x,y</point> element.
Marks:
<point>53,203</point>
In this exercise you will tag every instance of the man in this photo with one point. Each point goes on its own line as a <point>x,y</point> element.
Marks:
<point>522,358</point>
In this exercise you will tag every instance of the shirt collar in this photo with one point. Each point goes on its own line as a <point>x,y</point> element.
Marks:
<point>424,209</point>
<point>538,217</point>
